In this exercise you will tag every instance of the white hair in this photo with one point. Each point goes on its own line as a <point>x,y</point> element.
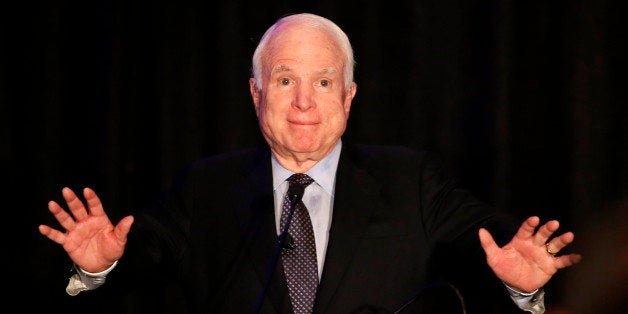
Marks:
<point>314,21</point>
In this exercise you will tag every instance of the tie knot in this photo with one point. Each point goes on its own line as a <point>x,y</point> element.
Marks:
<point>301,179</point>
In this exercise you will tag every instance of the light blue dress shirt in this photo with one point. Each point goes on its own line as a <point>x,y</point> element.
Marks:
<point>318,197</point>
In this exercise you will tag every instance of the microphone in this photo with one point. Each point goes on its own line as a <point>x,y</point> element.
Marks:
<point>295,193</point>
<point>425,289</point>
<point>288,243</point>
<point>285,242</point>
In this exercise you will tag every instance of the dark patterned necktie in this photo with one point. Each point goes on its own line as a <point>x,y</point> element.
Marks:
<point>299,261</point>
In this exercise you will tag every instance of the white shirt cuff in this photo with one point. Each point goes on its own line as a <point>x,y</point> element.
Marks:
<point>531,302</point>
<point>83,280</point>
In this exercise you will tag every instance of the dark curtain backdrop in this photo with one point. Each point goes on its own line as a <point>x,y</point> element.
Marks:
<point>523,99</point>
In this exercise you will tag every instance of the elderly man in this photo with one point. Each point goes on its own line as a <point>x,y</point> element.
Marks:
<point>308,223</point>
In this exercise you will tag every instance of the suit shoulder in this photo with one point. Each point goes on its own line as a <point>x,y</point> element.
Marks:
<point>231,161</point>
<point>232,156</point>
<point>387,153</point>
<point>395,158</point>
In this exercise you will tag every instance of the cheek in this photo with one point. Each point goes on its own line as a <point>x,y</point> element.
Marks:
<point>271,116</point>
<point>269,105</point>
<point>336,120</point>
<point>277,103</point>
<point>336,113</point>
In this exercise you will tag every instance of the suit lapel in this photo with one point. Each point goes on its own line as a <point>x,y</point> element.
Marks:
<point>257,217</point>
<point>356,192</point>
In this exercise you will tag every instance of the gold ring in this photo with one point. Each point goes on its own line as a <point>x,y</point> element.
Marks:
<point>547,248</point>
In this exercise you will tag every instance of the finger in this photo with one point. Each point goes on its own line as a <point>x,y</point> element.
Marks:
<point>74,204</point>
<point>558,243</point>
<point>526,230</point>
<point>545,232</point>
<point>488,243</point>
<point>123,227</point>
<point>52,234</point>
<point>567,260</point>
<point>93,202</point>
<point>66,221</point>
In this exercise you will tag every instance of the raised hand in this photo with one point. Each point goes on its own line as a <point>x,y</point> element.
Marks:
<point>528,261</point>
<point>90,239</point>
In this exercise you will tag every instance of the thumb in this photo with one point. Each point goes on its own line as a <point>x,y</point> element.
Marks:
<point>123,227</point>
<point>487,242</point>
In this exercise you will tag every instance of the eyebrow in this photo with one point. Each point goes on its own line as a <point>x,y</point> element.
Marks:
<point>283,68</point>
<point>328,71</point>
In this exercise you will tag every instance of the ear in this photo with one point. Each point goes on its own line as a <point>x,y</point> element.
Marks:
<point>255,94</point>
<point>349,97</point>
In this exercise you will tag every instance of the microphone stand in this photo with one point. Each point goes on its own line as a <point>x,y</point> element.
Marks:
<point>296,192</point>
<point>418,293</point>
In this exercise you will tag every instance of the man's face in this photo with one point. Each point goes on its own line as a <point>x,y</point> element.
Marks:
<point>303,106</point>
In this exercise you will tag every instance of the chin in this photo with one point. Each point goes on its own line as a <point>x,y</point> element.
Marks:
<point>305,148</point>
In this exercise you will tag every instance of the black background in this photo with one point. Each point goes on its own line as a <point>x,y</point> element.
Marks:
<point>524,100</point>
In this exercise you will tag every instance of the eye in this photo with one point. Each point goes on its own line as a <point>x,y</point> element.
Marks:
<point>284,81</point>
<point>324,83</point>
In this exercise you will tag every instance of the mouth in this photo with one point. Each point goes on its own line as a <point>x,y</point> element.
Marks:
<point>303,123</point>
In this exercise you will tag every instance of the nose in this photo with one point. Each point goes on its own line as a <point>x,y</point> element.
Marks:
<point>303,99</point>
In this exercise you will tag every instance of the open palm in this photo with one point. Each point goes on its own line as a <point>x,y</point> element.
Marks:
<point>527,262</point>
<point>90,239</point>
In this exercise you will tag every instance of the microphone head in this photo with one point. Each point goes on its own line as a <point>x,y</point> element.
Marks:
<point>295,192</point>
<point>288,243</point>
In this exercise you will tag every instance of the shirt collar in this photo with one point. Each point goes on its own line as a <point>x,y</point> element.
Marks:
<point>323,172</point>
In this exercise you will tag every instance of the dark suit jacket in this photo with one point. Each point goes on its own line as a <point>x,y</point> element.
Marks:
<point>400,226</point>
